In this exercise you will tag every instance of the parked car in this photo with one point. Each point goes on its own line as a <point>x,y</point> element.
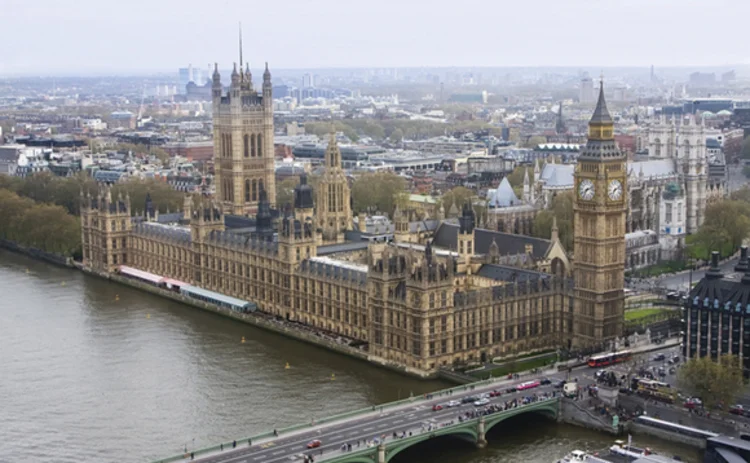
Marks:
<point>313,444</point>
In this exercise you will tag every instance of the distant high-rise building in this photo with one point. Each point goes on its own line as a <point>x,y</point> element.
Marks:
<point>308,81</point>
<point>185,77</point>
<point>702,79</point>
<point>587,91</point>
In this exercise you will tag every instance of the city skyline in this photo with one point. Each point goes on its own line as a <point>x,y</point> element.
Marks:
<point>159,37</point>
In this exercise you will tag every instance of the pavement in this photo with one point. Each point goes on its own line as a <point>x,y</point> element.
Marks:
<point>414,417</point>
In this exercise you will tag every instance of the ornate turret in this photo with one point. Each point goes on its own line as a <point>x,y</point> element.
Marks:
<point>263,219</point>
<point>303,194</point>
<point>235,77</point>
<point>216,82</point>
<point>467,220</point>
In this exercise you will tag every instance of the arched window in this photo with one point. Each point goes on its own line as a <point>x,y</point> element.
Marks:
<point>657,147</point>
<point>255,191</point>
<point>246,145</point>
<point>260,145</point>
<point>253,153</point>
<point>260,186</point>
<point>247,188</point>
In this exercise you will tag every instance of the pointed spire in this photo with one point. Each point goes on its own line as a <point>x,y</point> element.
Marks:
<point>526,180</point>
<point>601,114</point>
<point>267,75</point>
<point>555,231</point>
<point>240,46</point>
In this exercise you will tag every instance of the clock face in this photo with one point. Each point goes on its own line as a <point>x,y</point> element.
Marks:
<point>586,190</point>
<point>615,190</point>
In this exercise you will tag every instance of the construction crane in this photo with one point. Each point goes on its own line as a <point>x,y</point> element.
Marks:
<point>139,118</point>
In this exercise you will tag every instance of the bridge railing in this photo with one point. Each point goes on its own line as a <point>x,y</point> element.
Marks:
<point>330,419</point>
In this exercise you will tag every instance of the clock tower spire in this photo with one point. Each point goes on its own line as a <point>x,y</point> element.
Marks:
<point>599,213</point>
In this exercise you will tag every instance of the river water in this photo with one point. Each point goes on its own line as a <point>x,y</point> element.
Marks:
<point>91,371</point>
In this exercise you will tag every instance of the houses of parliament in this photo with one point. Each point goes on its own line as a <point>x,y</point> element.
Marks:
<point>430,296</point>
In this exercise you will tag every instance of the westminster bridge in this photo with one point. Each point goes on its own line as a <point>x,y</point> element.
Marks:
<point>377,434</point>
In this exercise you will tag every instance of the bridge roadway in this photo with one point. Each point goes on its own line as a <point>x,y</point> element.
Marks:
<point>414,418</point>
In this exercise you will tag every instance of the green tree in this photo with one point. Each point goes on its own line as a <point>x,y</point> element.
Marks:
<point>164,197</point>
<point>745,150</point>
<point>285,191</point>
<point>535,141</point>
<point>378,191</point>
<point>714,382</point>
<point>562,209</point>
<point>396,136</point>
<point>725,227</point>
<point>458,196</point>
<point>161,155</point>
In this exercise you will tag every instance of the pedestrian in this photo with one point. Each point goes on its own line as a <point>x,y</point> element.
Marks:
<point>276,433</point>
<point>222,447</point>
<point>249,442</point>
<point>234,444</point>
<point>192,455</point>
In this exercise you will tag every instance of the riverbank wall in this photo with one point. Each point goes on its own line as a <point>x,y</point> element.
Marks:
<point>265,322</point>
<point>34,253</point>
<point>574,413</point>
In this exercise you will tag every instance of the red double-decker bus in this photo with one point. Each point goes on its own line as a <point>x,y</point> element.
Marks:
<point>609,359</point>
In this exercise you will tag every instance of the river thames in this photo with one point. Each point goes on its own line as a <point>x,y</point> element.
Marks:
<point>96,372</point>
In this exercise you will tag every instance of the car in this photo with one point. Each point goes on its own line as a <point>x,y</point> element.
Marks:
<point>672,371</point>
<point>737,410</point>
<point>481,402</point>
<point>437,407</point>
<point>453,403</point>
<point>469,399</point>
<point>545,381</point>
<point>692,403</point>
<point>485,395</point>
<point>495,393</point>
<point>673,296</point>
<point>659,357</point>
<point>599,373</point>
<point>511,390</point>
<point>560,384</point>
<point>313,444</point>
<point>676,359</point>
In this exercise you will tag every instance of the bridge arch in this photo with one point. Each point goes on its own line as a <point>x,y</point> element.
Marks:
<point>468,433</point>
<point>548,409</point>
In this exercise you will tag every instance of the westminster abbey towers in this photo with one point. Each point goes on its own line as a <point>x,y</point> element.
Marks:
<point>243,142</point>
<point>599,213</point>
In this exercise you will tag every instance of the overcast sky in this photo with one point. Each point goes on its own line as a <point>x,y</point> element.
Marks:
<point>83,36</point>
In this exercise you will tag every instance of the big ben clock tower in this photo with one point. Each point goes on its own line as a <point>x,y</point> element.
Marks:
<point>599,213</point>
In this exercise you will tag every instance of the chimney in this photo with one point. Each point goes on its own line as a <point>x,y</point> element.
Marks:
<point>742,265</point>
<point>714,272</point>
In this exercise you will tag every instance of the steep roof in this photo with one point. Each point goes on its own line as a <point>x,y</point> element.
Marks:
<point>447,237</point>
<point>503,195</point>
<point>601,113</point>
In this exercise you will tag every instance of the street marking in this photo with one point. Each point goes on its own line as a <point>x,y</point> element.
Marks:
<point>267,445</point>
<point>278,452</point>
